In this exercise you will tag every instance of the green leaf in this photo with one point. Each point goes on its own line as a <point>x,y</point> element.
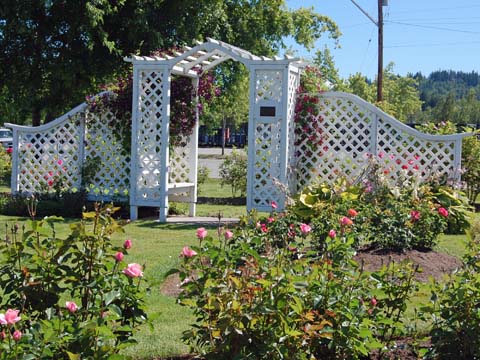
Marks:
<point>73,356</point>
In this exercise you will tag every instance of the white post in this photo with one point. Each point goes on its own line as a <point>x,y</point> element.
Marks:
<point>134,149</point>
<point>284,135</point>
<point>165,142</point>
<point>251,140</point>
<point>14,179</point>
<point>193,155</point>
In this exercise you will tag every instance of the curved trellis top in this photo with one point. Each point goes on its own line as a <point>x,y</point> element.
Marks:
<point>208,55</point>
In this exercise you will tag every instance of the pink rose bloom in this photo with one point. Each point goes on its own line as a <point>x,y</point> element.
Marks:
<point>352,212</point>
<point>346,221</point>
<point>228,235</point>
<point>332,234</point>
<point>305,228</point>
<point>187,252</point>
<point>411,162</point>
<point>60,162</point>
<point>414,215</point>
<point>381,155</point>
<point>17,335</point>
<point>443,212</point>
<point>133,270</point>
<point>9,150</point>
<point>263,228</point>
<point>373,302</point>
<point>270,220</point>
<point>127,244</point>
<point>405,167</point>
<point>119,256</point>
<point>201,233</point>
<point>274,205</point>
<point>71,306</point>
<point>10,317</point>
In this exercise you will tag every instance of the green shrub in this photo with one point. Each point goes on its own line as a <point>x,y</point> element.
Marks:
<point>233,172</point>
<point>76,298</point>
<point>67,204</point>
<point>254,301</point>
<point>5,166</point>
<point>455,313</point>
<point>399,215</point>
<point>202,176</point>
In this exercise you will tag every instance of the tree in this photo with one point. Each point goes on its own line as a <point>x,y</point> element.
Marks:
<point>401,98</point>
<point>324,60</point>
<point>54,52</point>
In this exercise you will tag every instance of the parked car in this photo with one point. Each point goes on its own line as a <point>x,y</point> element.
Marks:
<point>6,138</point>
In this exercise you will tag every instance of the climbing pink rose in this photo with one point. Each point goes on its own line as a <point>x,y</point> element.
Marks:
<point>119,256</point>
<point>187,252</point>
<point>228,235</point>
<point>17,335</point>
<point>60,162</point>
<point>270,220</point>
<point>305,228</point>
<point>133,270</point>
<point>71,306</point>
<point>127,244</point>
<point>443,212</point>
<point>346,221</point>
<point>373,302</point>
<point>332,234</point>
<point>9,150</point>
<point>201,233</point>
<point>274,205</point>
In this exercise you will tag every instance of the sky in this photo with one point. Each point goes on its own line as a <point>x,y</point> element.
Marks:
<point>419,36</point>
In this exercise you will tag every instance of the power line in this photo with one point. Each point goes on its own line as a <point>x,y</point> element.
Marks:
<point>434,27</point>
<point>433,45</point>
<point>429,10</point>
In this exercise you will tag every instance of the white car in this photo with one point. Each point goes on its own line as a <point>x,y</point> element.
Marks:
<point>6,138</point>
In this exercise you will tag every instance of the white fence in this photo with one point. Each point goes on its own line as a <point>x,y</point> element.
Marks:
<point>81,151</point>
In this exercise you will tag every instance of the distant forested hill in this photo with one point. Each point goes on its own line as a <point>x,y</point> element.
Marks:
<point>440,84</point>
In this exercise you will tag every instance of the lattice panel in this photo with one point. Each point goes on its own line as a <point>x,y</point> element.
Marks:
<point>268,85</point>
<point>152,94</point>
<point>346,132</point>
<point>50,159</point>
<point>348,138</point>
<point>105,154</point>
<point>180,168</point>
<point>266,164</point>
<point>404,151</point>
<point>293,83</point>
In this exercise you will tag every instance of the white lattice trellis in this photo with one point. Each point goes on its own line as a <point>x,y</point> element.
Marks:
<point>105,154</point>
<point>49,157</point>
<point>352,129</point>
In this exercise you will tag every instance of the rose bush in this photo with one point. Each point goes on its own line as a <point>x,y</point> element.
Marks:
<point>258,301</point>
<point>39,271</point>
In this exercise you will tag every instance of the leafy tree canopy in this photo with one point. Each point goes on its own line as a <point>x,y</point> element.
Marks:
<point>53,52</point>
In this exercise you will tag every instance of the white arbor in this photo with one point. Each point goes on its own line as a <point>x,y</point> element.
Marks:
<point>347,128</point>
<point>158,175</point>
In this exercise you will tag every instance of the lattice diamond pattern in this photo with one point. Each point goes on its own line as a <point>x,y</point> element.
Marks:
<point>105,152</point>
<point>428,156</point>
<point>50,156</point>
<point>266,164</point>
<point>347,131</point>
<point>293,83</point>
<point>149,135</point>
<point>268,85</point>
<point>180,162</point>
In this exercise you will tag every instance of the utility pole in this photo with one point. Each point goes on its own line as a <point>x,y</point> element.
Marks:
<point>379,24</point>
<point>380,52</point>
